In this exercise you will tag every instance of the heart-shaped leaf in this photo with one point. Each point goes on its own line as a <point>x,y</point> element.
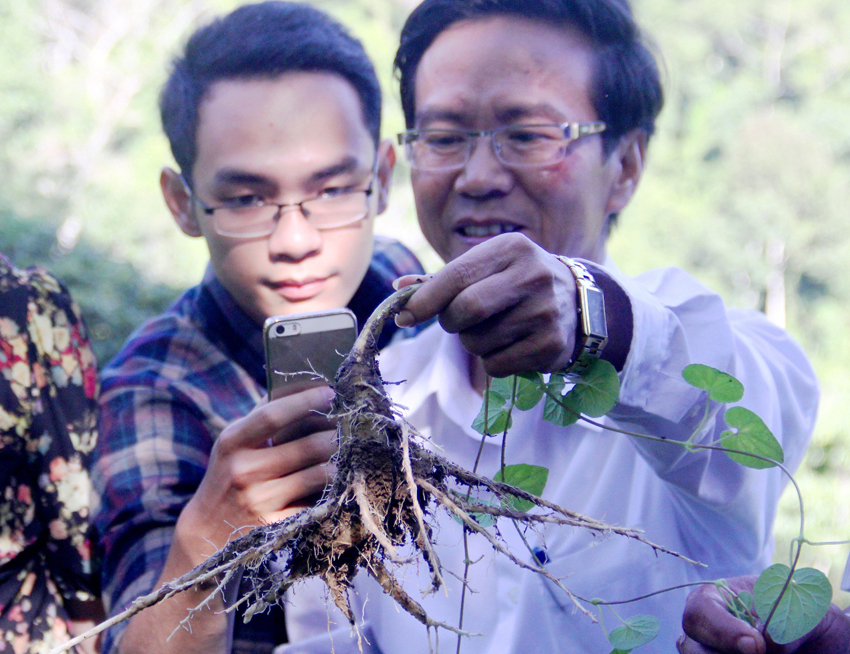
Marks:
<point>802,607</point>
<point>596,392</point>
<point>555,411</point>
<point>637,630</point>
<point>531,479</point>
<point>496,419</point>
<point>752,436</point>
<point>721,386</point>
<point>529,389</point>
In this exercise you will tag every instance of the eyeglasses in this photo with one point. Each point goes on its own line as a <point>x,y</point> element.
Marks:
<point>515,145</point>
<point>251,216</point>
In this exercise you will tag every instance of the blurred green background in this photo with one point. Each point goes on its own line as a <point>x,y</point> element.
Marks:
<point>747,186</point>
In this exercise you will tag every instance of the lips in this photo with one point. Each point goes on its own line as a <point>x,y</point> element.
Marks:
<point>299,290</point>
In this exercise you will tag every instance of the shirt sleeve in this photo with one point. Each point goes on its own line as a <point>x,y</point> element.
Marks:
<point>64,408</point>
<point>145,473</point>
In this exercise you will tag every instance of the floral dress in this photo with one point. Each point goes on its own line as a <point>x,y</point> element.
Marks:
<point>48,390</point>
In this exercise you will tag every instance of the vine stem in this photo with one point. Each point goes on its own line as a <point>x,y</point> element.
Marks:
<point>465,533</point>
<point>689,445</point>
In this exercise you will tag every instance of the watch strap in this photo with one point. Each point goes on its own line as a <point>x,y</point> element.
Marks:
<point>592,327</point>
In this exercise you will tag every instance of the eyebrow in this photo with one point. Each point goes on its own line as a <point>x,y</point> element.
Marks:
<point>347,165</point>
<point>517,112</point>
<point>434,115</point>
<point>503,115</point>
<point>239,177</point>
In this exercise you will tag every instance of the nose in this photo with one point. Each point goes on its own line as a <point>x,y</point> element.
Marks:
<point>294,238</point>
<point>484,175</point>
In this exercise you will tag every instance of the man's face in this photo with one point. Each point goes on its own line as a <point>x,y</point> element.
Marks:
<point>500,71</point>
<point>284,140</point>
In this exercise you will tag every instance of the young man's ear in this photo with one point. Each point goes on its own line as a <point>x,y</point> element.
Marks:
<point>386,164</point>
<point>179,201</point>
<point>627,160</point>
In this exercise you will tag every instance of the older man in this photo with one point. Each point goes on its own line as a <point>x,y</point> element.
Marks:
<point>528,129</point>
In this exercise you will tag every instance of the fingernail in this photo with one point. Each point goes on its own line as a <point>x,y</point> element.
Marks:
<point>747,645</point>
<point>404,319</point>
<point>395,284</point>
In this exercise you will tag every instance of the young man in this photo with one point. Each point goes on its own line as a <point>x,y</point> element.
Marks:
<point>528,128</point>
<point>273,115</point>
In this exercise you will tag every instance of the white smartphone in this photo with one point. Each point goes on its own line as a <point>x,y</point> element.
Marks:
<point>305,350</point>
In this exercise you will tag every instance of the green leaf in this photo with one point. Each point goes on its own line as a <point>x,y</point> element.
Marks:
<point>553,411</point>
<point>721,386</point>
<point>638,630</point>
<point>752,436</point>
<point>529,389</point>
<point>802,607</point>
<point>596,392</point>
<point>504,386</point>
<point>531,479</point>
<point>497,419</point>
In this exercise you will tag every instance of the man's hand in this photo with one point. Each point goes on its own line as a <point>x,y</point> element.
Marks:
<point>512,303</point>
<point>711,629</point>
<point>262,468</point>
<point>265,467</point>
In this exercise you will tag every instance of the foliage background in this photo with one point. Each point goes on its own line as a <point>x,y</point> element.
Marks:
<point>747,186</point>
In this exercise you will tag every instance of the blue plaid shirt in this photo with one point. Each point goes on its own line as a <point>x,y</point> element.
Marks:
<point>176,384</point>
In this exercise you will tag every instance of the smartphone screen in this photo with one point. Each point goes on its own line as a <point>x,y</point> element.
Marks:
<point>305,350</point>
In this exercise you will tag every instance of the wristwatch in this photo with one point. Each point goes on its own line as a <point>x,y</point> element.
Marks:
<point>592,328</point>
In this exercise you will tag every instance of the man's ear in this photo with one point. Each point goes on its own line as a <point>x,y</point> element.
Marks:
<point>386,164</point>
<point>179,201</point>
<point>627,160</point>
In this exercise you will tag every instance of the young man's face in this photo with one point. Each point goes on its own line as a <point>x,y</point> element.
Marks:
<point>502,71</point>
<point>284,140</point>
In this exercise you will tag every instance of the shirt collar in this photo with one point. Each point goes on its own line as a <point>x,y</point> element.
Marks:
<point>229,325</point>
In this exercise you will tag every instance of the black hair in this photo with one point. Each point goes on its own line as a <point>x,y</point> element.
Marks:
<point>261,40</point>
<point>626,90</point>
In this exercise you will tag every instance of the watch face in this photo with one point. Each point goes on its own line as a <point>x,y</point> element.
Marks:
<point>595,323</point>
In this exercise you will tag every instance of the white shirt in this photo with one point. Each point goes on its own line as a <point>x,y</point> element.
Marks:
<point>702,505</point>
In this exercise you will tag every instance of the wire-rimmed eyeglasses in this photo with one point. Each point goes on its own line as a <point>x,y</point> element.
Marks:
<point>252,216</point>
<point>514,145</point>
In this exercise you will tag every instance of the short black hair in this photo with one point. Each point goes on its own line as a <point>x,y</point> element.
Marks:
<point>626,90</point>
<point>262,40</point>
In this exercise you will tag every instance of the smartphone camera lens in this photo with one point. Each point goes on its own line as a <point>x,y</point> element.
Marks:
<point>280,330</point>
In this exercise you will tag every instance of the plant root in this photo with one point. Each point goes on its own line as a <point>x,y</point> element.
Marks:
<point>386,487</point>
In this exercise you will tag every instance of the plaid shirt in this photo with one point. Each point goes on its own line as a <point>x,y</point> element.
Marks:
<point>177,382</point>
